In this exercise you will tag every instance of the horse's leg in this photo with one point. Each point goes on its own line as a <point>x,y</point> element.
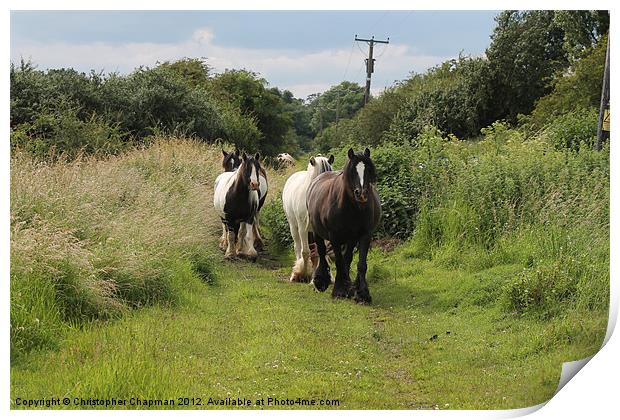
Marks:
<point>306,264</point>
<point>224,238</point>
<point>348,257</point>
<point>231,250</point>
<point>321,278</point>
<point>247,242</point>
<point>343,284</point>
<point>258,240</point>
<point>240,238</point>
<point>362,295</point>
<point>314,259</point>
<point>298,266</point>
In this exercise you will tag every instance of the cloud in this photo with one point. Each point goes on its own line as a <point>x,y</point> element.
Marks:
<point>302,72</point>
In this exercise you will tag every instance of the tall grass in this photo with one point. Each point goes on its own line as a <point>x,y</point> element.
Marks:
<point>92,238</point>
<point>508,199</point>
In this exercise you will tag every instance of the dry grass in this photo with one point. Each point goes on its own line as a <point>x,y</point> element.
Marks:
<point>91,238</point>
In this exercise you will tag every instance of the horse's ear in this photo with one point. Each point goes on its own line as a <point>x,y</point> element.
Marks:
<point>236,152</point>
<point>312,161</point>
<point>244,156</point>
<point>331,159</point>
<point>224,153</point>
<point>257,156</point>
<point>367,152</point>
<point>351,153</point>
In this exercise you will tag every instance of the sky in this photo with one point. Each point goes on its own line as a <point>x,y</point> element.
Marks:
<point>303,51</point>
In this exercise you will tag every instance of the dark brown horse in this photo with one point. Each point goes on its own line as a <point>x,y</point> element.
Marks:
<point>344,208</point>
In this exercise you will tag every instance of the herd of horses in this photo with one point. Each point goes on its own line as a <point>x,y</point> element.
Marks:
<point>324,208</point>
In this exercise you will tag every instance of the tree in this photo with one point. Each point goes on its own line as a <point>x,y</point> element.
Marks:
<point>338,102</point>
<point>194,71</point>
<point>582,29</point>
<point>252,96</point>
<point>525,53</point>
<point>580,88</point>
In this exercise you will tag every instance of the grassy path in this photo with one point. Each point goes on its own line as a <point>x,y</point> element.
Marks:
<point>426,342</point>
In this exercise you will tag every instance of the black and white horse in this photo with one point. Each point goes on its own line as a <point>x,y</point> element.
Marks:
<point>230,162</point>
<point>344,208</point>
<point>237,200</point>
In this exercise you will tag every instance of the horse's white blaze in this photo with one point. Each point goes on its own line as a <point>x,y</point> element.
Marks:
<point>253,177</point>
<point>360,172</point>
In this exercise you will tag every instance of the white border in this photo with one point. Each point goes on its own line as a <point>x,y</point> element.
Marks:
<point>592,393</point>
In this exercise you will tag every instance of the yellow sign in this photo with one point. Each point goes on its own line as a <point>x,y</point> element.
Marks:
<point>606,120</point>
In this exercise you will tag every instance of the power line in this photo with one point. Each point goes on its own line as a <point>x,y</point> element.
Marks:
<point>348,62</point>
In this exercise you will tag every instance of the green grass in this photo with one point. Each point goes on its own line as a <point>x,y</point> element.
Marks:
<point>118,291</point>
<point>430,340</point>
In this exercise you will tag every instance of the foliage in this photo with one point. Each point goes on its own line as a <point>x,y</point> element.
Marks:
<point>274,219</point>
<point>528,58</point>
<point>573,130</point>
<point>582,29</point>
<point>509,199</point>
<point>195,71</point>
<point>59,130</point>
<point>170,98</point>
<point>338,102</point>
<point>525,53</point>
<point>83,242</point>
<point>579,88</point>
<point>250,94</point>
<point>453,97</point>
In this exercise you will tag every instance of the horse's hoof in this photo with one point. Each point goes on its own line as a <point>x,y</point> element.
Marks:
<point>362,297</point>
<point>249,257</point>
<point>340,293</point>
<point>298,278</point>
<point>230,257</point>
<point>318,285</point>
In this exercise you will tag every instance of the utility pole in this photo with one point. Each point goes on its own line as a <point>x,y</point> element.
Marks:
<point>603,114</point>
<point>370,62</point>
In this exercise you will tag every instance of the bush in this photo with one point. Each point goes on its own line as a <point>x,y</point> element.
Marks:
<point>541,291</point>
<point>573,129</point>
<point>74,112</point>
<point>60,131</point>
<point>274,219</point>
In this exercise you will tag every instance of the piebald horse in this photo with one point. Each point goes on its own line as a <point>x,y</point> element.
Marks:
<point>230,162</point>
<point>236,199</point>
<point>344,208</point>
<point>294,203</point>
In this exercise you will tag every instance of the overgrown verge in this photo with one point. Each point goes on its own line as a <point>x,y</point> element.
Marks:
<point>91,239</point>
<point>541,202</point>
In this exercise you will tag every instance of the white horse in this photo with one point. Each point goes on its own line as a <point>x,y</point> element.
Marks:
<point>294,202</point>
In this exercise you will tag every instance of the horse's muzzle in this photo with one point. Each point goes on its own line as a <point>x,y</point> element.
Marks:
<point>360,196</point>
